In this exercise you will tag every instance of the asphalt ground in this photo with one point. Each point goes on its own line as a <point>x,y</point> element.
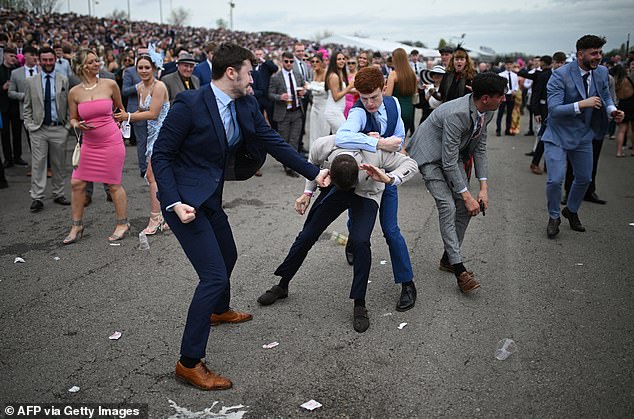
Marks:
<point>567,303</point>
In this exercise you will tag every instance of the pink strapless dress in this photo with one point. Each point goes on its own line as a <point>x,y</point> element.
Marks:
<point>102,149</point>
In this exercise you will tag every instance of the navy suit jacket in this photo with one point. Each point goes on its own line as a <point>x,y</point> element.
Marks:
<point>191,153</point>
<point>203,72</point>
<point>261,81</point>
<point>566,128</point>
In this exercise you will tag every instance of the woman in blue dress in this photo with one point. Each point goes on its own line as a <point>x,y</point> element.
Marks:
<point>153,107</point>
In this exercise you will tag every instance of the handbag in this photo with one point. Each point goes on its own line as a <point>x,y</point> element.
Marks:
<point>77,150</point>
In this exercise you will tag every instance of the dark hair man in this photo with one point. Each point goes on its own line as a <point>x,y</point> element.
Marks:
<point>453,133</point>
<point>579,103</point>
<point>202,134</point>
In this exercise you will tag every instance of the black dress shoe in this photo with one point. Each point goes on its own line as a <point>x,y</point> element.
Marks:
<point>37,205</point>
<point>553,227</point>
<point>509,133</point>
<point>408,297</point>
<point>275,293</point>
<point>8,164</point>
<point>498,134</point>
<point>61,200</point>
<point>349,254</point>
<point>564,200</point>
<point>594,198</point>
<point>446,266</point>
<point>3,184</point>
<point>530,154</point>
<point>360,320</point>
<point>573,219</point>
<point>20,162</point>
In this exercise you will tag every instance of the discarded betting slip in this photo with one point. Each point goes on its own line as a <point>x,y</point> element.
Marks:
<point>115,336</point>
<point>311,405</point>
<point>73,389</point>
<point>402,325</point>
<point>270,345</point>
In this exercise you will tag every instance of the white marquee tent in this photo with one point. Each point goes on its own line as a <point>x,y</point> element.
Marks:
<point>376,45</point>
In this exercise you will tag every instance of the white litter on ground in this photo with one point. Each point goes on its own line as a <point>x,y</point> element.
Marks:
<point>73,389</point>
<point>311,405</point>
<point>402,325</point>
<point>19,260</point>
<point>270,345</point>
<point>384,262</point>
<point>223,413</point>
<point>115,336</point>
<point>115,244</point>
<point>579,264</point>
<point>387,314</point>
<point>56,258</point>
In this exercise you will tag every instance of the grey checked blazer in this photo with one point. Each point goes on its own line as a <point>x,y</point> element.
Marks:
<point>17,87</point>
<point>277,87</point>
<point>323,151</point>
<point>443,138</point>
<point>175,84</point>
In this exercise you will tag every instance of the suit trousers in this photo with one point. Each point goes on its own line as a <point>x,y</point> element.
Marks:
<point>140,132</point>
<point>290,128</point>
<point>388,217</point>
<point>209,246</point>
<point>48,141</point>
<point>581,162</point>
<point>539,149</point>
<point>597,145</point>
<point>453,216</point>
<point>327,207</point>
<point>508,107</point>
<point>11,135</point>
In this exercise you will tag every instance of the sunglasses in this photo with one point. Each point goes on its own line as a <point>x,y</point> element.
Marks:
<point>314,61</point>
<point>289,61</point>
<point>351,62</point>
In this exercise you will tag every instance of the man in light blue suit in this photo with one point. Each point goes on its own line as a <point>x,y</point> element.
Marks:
<point>579,103</point>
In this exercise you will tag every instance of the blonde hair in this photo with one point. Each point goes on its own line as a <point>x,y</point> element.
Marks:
<point>79,60</point>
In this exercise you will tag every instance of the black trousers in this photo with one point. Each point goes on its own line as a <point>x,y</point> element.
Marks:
<point>11,135</point>
<point>596,152</point>
<point>508,107</point>
<point>327,207</point>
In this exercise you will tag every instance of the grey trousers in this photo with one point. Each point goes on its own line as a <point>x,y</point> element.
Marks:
<point>290,128</point>
<point>453,216</point>
<point>48,141</point>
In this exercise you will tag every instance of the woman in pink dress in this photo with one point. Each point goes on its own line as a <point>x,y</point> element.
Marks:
<point>102,151</point>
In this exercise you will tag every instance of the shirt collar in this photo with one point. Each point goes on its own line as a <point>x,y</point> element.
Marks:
<point>221,96</point>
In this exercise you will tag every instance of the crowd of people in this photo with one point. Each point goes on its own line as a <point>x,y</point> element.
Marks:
<point>203,106</point>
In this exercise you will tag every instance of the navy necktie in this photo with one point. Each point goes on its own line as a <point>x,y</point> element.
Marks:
<point>30,72</point>
<point>47,101</point>
<point>510,84</point>
<point>585,83</point>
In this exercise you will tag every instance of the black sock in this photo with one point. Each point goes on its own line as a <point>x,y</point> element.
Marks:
<point>458,269</point>
<point>189,362</point>
<point>284,283</point>
<point>405,284</point>
<point>445,257</point>
<point>359,302</point>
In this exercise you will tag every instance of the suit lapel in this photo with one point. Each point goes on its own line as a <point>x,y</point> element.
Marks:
<point>575,73</point>
<point>39,92</point>
<point>212,107</point>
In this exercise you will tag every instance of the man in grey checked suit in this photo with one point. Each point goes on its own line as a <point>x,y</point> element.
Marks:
<point>286,90</point>
<point>19,77</point>
<point>442,145</point>
<point>46,117</point>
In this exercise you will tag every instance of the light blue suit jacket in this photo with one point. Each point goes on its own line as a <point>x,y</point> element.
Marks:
<point>566,128</point>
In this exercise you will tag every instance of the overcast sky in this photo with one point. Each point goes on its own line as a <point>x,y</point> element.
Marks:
<point>533,26</point>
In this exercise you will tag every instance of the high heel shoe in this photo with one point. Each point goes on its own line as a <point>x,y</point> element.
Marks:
<point>155,224</point>
<point>114,237</point>
<point>78,234</point>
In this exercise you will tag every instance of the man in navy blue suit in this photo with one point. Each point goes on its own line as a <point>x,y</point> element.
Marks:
<point>203,69</point>
<point>204,138</point>
<point>579,103</point>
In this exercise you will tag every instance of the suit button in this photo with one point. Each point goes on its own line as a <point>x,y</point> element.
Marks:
<point>217,179</point>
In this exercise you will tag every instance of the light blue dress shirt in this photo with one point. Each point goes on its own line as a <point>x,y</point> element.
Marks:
<point>350,136</point>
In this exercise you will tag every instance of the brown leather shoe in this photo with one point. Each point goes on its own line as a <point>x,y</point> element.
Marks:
<point>467,282</point>
<point>536,170</point>
<point>201,377</point>
<point>230,316</point>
